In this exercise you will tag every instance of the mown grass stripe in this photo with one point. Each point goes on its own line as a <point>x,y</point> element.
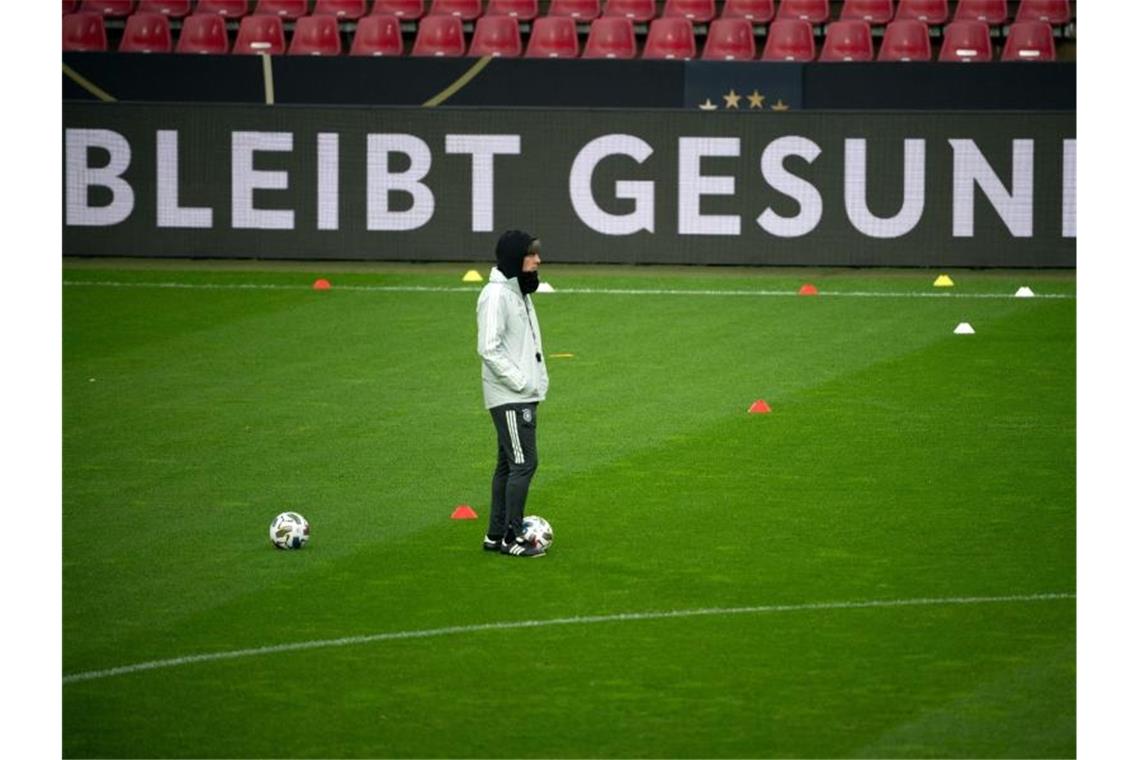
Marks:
<point>572,291</point>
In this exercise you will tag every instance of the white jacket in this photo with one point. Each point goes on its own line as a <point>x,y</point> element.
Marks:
<point>509,339</point>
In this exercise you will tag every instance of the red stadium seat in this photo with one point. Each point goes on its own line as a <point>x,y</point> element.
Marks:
<point>70,6</point>
<point>553,37</point>
<point>146,33</point>
<point>966,42</point>
<point>316,35</point>
<point>496,36</point>
<point>286,9</point>
<point>638,11</point>
<point>409,10</point>
<point>992,12</point>
<point>934,12</point>
<point>440,36</point>
<point>168,8</point>
<point>465,10</point>
<point>1055,12</point>
<point>108,8</point>
<point>789,39</point>
<point>203,33</point>
<point>877,12</point>
<point>260,35</point>
<point>344,10</point>
<point>847,40</point>
<point>523,10</point>
<point>811,11</point>
<point>905,40</point>
<point>697,11</point>
<point>227,8</point>
<point>730,39</point>
<point>1029,41</point>
<point>756,11</point>
<point>582,10</point>
<point>84,33</point>
<point>377,36</point>
<point>670,39</point>
<point>611,37</point>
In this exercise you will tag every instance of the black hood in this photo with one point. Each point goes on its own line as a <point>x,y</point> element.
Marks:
<point>510,251</point>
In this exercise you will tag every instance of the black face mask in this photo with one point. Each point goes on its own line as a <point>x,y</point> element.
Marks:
<point>528,282</point>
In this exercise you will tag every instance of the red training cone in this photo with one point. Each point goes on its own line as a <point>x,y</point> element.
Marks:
<point>322,284</point>
<point>809,290</point>
<point>760,406</point>
<point>464,512</point>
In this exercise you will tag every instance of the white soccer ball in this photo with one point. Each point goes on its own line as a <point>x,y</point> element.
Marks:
<point>537,532</point>
<point>289,531</point>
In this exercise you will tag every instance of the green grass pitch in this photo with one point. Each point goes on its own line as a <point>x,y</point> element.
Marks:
<point>884,564</point>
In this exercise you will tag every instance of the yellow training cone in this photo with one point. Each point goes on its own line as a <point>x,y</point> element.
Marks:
<point>943,281</point>
<point>472,276</point>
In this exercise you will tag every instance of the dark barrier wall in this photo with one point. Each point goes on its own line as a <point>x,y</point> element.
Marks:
<point>941,86</point>
<point>808,188</point>
<point>347,80</point>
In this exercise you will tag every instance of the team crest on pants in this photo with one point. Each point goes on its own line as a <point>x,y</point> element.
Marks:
<point>527,415</point>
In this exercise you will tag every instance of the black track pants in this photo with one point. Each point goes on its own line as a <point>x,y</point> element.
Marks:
<point>518,459</point>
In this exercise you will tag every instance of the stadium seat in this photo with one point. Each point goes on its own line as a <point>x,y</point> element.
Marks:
<point>1029,41</point>
<point>789,39</point>
<point>697,11</point>
<point>811,11</point>
<point>408,10</point>
<point>344,10</point>
<point>496,36</point>
<point>289,10</point>
<point>377,36</point>
<point>84,33</point>
<point>991,12</point>
<point>1055,12</point>
<point>440,36</point>
<point>730,39</point>
<point>847,40</point>
<point>638,11</point>
<point>553,37</point>
<point>611,37</point>
<point>108,8</point>
<point>905,40</point>
<point>756,11</point>
<point>465,10</point>
<point>582,10</point>
<point>877,12</point>
<point>934,12</point>
<point>227,8</point>
<point>523,10</point>
<point>203,33</point>
<point>168,8</point>
<point>70,6</point>
<point>670,39</point>
<point>260,35</point>
<point>146,33</point>
<point>965,42</point>
<point>316,35</point>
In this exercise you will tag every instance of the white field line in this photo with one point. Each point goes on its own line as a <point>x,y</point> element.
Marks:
<point>585,291</point>
<point>92,675</point>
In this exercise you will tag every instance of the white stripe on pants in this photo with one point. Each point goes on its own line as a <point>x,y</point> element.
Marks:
<point>513,429</point>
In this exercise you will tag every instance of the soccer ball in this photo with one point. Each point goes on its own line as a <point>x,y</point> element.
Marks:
<point>537,532</point>
<point>289,531</point>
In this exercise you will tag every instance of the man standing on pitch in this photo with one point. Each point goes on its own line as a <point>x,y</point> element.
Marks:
<point>514,382</point>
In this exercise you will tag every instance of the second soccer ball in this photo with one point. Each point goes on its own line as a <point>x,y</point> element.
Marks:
<point>537,532</point>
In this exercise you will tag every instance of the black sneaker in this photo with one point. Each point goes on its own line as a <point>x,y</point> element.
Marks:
<point>492,544</point>
<point>521,548</point>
